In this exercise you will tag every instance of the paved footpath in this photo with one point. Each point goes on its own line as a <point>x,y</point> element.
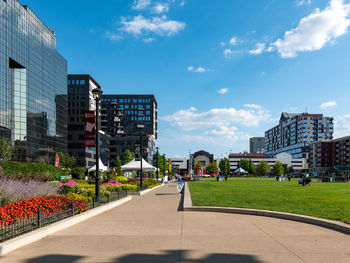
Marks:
<point>151,229</point>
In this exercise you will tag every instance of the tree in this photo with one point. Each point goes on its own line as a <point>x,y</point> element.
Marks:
<point>212,167</point>
<point>63,159</point>
<point>224,166</point>
<point>5,149</point>
<point>290,169</point>
<point>70,161</point>
<point>278,168</point>
<point>198,165</point>
<point>244,164</point>
<point>118,165</point>
<point>263,168</point>
<point>251,168</point>
<point>128,156</point>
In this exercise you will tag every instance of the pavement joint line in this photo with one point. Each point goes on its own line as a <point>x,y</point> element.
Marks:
<point>326,223</point>
<point>281,244</point>
<point>40,233</point>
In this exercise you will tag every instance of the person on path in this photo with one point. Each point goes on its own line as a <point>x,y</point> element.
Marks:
<point>308,180</point>
<point>226,176</point>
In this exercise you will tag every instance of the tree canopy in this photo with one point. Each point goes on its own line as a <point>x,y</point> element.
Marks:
<point>278,169</point>
<point>128,156</point>
<point>5,149</point>
<point>263,167</point>
<point>224,166</point>
<point>212,167</point>
<point>118,165</point>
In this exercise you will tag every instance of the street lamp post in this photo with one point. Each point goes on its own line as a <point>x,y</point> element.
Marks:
<point>164,164</point>
<point>97,93</point>
<point>157,148</point>
<point>141,126</point>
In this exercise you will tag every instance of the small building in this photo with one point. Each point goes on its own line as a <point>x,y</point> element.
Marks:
<point>204,157</point>
<point>179,165</point>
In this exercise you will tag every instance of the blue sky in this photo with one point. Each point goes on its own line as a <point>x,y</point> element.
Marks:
<point>221,71</point>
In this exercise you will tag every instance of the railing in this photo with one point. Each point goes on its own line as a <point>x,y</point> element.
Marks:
<point>24,225</point>
<point>141,188</point>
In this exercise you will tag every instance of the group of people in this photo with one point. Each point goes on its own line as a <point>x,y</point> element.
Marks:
<point>305,179</point>
<point>283,178</point>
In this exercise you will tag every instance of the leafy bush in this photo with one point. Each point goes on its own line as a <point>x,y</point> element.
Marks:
<point>12,190</point>
<point>129,187</point>
<point>30,207</point>
<point>32,171</point>
<point>65,189</point>
<point>85,197</point>
<point>112,188</point>
<point>79,173</point>
<point>122,179</point>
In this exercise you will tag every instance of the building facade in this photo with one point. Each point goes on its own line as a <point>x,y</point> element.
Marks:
<point>33,91</point>
<point>81,99</point>
<point>257,145</point>
<point>179,165</point>
<point>285,158</point>
<point>295,132</point>
<point>327,154</point>
<point>124,118</point>
<point>202,156</point>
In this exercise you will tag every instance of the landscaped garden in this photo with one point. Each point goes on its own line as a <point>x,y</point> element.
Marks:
<point>27,189</point>
<point>324,200</point>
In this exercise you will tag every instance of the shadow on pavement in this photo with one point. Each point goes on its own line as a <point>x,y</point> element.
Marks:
<point>166,194</point>
<point>170,256</point>
<point>55,258</point>
<point>181,204</point>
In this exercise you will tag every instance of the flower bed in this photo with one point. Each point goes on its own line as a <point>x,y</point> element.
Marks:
<point>12,190</point>
<point>30,207</point>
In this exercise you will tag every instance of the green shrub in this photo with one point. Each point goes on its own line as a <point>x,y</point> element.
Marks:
<point>65,189</point>
<point>112,188</point>
<point>129,187</point>
<point>81,197</point>
<point>27,171</point>
<point>79,173</point>
<point>122,179</point>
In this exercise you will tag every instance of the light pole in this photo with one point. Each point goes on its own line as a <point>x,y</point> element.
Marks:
<point>157,148</point>
<point>97,93</point>
<point>141,126</point>
<point>164,164</point>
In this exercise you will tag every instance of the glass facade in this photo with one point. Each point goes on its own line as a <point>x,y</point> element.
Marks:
<point>33,85</point>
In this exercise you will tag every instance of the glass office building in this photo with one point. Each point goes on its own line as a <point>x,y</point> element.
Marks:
<point>33,89</point>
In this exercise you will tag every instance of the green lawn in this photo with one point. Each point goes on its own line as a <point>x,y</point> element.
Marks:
<point>325,200</point>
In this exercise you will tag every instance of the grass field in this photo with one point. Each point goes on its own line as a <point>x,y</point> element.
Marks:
<point>325,200</point>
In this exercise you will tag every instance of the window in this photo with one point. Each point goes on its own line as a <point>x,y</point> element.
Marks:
<point>148,112</point>
<point>69,82</point>
<point>148,106</point>
<point>82,82</point>
<point>73,81</point>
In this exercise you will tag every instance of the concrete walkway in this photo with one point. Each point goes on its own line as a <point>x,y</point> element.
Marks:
<point>151,229</point>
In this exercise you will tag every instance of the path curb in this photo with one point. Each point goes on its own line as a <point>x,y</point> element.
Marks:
<point>40,233</point>
<point>149,190</point>
<point>330,224</point>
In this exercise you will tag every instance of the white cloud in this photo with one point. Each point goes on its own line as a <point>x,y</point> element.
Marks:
<point>233,41</point>
<point>228,53</point>
<point>260,48</point>
<point>148,40</point>
<point>182,3</point>
<point>328,104</point>
<point>157,25</point>
<point>222,44</point>
<point>223,91</point>
<point>342,126</point>
<point>141,4</point>
<point>227,133</point>
<point>159,8</point>
<point>113,36</point>
<point>191,119</point>
<point>198,70</point>
<point>303,2</point>
<point>316,30</point>
<point>253,106</point>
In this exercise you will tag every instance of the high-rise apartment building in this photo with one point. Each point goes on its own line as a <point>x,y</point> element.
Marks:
<point>33,91</point>
<point>81,99</point>
<point>326,154</point>
<point>295,132</point>
<point>257,144</point>
<point>124,118</point>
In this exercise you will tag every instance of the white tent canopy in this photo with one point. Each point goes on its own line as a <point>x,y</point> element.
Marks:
<point>101,167</point>
<point>135,165</point>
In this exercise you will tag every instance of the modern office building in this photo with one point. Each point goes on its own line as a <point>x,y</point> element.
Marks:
<point>33,91</point>
<point>295,132</point>
<point>81,99</point>
<point>179,165</point>
<point>124,118</point>
<point>327,154</point>
<point>285,158</point>
<point>257,145</point>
